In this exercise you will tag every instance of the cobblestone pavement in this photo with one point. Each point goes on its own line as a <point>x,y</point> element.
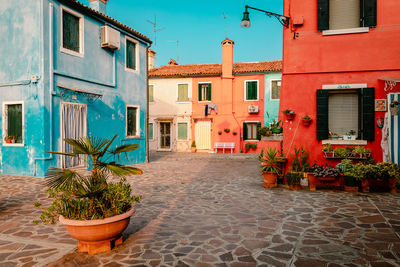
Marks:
<point>211,210</point>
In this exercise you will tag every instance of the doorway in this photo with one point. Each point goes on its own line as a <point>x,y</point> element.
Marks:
<point>165,135</point>
<point>203,135</point>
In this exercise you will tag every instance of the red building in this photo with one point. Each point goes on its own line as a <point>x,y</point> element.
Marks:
<point>338,56</point>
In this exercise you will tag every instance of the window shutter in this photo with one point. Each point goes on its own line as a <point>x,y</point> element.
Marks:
<point>200,97</point>
<point>368,114</point>
<point>209,92</point>
<point>244,131</point>
<point>258,130</point>
<point>322,114</point>
<point>323,14</point>
<point>368,13</point>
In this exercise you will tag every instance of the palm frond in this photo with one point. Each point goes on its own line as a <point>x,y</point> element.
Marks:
<point>107,146</point>
<point>62,178</point>
<point>117,169</point>
<point>123,149</point>
<point>90,187</point>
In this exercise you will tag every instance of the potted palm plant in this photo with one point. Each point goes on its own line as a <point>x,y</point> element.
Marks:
<point>193,148</point>
<point>352,181</point>
<point>94,209</point>
<point>270,166</point>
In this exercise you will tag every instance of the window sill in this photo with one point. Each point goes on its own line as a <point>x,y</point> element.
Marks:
<point>250,100</point>
<point>205,101</point>
<point>345,142</point>
<point>13,145</point>
<point>71,52</point>
<point>132,137</point>
<point>136,71</point>
<point>346,31</point>
<point>251,140</point>
<point>183,102</point>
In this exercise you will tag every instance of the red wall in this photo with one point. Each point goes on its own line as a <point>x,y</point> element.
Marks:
<point>312,60</point>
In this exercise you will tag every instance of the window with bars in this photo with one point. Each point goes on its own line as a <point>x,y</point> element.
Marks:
<point>13,127</point>
<point>151,93</point>
<point>251,131</point>
<point>130,55</point>
<point>275,90</point>
<point>346,14</point>
<point>182,131</point>
<point>183,93</point>
<point>204,91</point>
<point>132,128</point>
<point>71,32</point>
<point>251,90</point>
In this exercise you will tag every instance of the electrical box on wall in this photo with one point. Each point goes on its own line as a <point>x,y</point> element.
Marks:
<point>110,38</point>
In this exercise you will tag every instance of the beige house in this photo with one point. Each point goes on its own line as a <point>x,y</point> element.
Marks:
<point>170,111</point>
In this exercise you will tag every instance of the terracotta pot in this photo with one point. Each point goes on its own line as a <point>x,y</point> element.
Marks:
<point>351,189</point>
<point>8,141</point>
<point>296,186</point>
<point>307,122</point>
<point>365,185</point>
<point>392,185</point>
<point>97,236</point>
<point>312,182</point>
<point>270,180</point>
<point>290,116</point>
<point>193,149</point>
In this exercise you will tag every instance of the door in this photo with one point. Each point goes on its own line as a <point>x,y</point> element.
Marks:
<point>165,135</point>
<point>73,125</point>
<point>203,135</point>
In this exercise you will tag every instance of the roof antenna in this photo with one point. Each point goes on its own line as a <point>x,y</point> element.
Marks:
<point>225,16</point>
<point>177,48</point>
<point>155,37</point>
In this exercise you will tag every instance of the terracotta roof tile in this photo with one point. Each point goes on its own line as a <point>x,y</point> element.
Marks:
<point>196,70</point>
<point>79,6</point>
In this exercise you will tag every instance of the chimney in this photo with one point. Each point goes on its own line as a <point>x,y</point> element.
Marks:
<point>98,5</point>
<point>151,57</point>
<point>227,58</point>
<point>172,62</point>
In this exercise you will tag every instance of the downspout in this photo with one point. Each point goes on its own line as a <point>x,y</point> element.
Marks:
<point>51,92</point>
<point>233,114</point>
<point>147,103</point>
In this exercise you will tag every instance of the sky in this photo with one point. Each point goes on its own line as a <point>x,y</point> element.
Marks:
<point>200,27</point>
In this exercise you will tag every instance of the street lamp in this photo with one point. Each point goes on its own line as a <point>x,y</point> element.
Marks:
<point>246,20</point>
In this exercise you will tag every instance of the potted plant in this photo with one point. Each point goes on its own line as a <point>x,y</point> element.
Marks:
<point>328,151</point>
<point>362,172</point>
<point>8,139</point>
<point>394,108</point>
<point>234,133</point>
<point>307,120</point>
<point>95,210</point>
<point>289,114</point>
<point>276,127</point>
<point>351,135</point>
<point>219,132</point>
<point>352,181</point>
<point>324,175</point>
<point>293,179</point>
<point>270,167</point>
<point>249,146</point>
<point>265,131</point>
<point>193,147</point>
<point>227,130</point>
<point>341,152</point>
<point>388,173</point>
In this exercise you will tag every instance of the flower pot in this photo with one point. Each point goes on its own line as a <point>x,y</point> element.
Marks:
<point>290,116</point>
<point>295,187</point>
<point>270,180</point>
<point>307,122</point>
<point>394,111</point>
<point>351,189</point>
<point>95,236</point>
<point>365,185</point>
<point>193,149</point>
<point>392,185</point>
<point>8,141</point>
<point>349,137</point>
<point>329,154</point>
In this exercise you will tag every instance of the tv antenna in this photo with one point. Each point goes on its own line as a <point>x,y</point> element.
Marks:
<point>225,16</point>
<point>177,47</point>
<point>154,23</point>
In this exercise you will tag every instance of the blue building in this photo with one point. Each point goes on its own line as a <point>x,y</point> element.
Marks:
<point>67,71</point>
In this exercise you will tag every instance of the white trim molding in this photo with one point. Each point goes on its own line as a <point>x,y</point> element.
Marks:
<point>346,31</point>
<point>5,121</point>
<point>137,135</point>
<point>344,142</point>
<point>137,63</point>
<point>81,52</point>
<point>245,91</point>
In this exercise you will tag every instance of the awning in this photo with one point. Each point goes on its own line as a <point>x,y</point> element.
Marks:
<point>390,83</point>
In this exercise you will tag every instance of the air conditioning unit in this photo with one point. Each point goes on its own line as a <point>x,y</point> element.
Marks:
<point>253,109</point>
<point>110,38</point>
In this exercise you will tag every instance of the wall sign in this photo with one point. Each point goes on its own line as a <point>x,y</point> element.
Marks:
<point>344,86</point>
<point>380,105</point>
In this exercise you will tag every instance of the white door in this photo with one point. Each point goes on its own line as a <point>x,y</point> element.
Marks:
<point>73,125</point>
<point>203,135</point>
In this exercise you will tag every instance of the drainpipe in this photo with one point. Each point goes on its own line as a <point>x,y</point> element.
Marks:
<point>51,88</point>
<point>147,103</point>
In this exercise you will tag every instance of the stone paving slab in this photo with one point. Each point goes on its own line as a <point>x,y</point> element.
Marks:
<point>211,210</point>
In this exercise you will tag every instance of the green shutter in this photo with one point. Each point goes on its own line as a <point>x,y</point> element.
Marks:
<point>70,31</point>
<point>244,131</point>
<point>368,13</point>
<point>251,90</point>
<point>151,93</point>
<point>182,131</point>
<point>323,14</point>
<point>14,116</point>
<point>368,114</point>
<point>132,116</point>
<point>209,92</point>
<point>322,114</point>
<point>130,55</point>
<point>183,92</point>
<point>200,96</point>
<point>150,130</point>
<point>258,130</point>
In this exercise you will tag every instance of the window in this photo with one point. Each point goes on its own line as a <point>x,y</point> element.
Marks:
<point>13,123</point>
<point>250,131</point>
<point>132,127</point>
<point>346,14</point>
<point>204,91</point>
<point>182,131</point>
<point>72,32</point>
<point>251,88</point>
<point>275,90</point>
<point>131,54</point>
<point>151,93</point>
<point>345,112</point>
<point>183,93</point>
<point>151,131</point>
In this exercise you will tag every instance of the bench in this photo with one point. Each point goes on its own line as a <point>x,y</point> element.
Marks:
<point>223,146</point>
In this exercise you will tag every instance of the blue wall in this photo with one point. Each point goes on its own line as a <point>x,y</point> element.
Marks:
<point>271,107</point>
<point>31,51</point>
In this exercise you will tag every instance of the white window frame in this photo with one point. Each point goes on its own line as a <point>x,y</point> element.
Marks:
<point>5,121</point>
<point>245,91</point>
<point>137,70</point>
<point>205,101</point>
<point>270,89</point>
<point>187,131</point>
<point>345,31</point>
<point>137,135</point>
<point>152,123</point>
<point>177,93</point>
<point>251,140</point>
<point>81,52</point>
<point>154,98</point>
